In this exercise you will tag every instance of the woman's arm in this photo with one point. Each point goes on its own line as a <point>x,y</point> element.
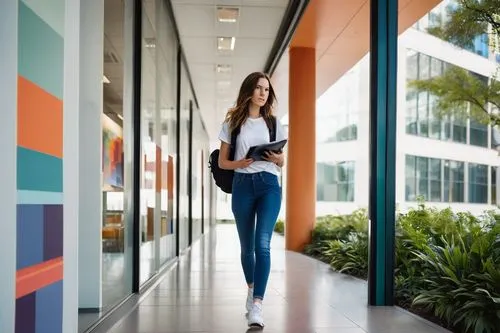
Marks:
<point>225,163</point>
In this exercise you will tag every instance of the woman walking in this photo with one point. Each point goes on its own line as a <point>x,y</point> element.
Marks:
<point>256,194</point>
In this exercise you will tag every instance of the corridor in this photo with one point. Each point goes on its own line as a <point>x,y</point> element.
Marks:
<point>205,292</point>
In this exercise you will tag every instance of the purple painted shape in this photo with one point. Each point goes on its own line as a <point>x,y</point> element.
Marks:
<point>52,231</point>
<point>26,314</point>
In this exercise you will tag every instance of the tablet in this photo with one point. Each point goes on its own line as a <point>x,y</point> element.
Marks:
<point>257,152</point>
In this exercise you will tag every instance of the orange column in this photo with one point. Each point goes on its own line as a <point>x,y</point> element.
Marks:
<point>301,165</point>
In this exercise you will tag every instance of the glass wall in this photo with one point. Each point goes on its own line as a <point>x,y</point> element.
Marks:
<point>338,109</point>
<point>198,173</point>
<point>184,173</point>
<point>158,91</point>
<point>166,65</point>
<point>116,253</point>
<point>158,203</point>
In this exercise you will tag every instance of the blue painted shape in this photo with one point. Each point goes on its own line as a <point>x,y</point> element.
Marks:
<point>49,308</point>
<point>38,172</point>
<point>29,235</point>
<point>41,52</point>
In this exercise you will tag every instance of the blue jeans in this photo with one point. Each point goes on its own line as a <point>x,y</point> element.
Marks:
<point>256,194</point>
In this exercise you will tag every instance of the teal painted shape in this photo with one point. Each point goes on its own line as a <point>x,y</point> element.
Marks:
<point>38,172</point>
<point>41,52</point>
<point>51,11</point>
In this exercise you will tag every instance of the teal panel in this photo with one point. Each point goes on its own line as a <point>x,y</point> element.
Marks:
<point>41,52</point>
<point>38,172</point>
<point>383,110</point>
<point>51,11</point>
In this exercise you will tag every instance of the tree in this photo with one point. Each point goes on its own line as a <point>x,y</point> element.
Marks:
<point>457,88</point>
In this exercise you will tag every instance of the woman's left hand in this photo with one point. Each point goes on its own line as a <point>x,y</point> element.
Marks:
<point>274,158</point>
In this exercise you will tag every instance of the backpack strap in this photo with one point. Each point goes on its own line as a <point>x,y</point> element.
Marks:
<point>272,129</point>
<point>232,148</point>
<point>236,132</point>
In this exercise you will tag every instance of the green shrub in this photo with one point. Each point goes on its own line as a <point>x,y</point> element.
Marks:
<point>447,264</point>
<point>279,227</point>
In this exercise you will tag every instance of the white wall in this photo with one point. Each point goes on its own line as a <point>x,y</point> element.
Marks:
<point>90,143</point>
<point>71,165</point>
<point>8,132</point>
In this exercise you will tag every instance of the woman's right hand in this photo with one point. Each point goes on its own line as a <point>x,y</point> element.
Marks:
<point>244,163</point>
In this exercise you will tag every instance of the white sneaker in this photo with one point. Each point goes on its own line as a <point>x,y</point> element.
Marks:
<point>255,318</point>
<point>249,299</point>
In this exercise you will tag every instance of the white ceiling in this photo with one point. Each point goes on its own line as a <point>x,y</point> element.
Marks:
<point>255,32</point>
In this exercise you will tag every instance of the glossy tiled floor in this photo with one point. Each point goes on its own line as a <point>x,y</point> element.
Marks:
<point>206,292</point>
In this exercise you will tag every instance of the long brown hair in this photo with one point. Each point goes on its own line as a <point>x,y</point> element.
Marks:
<point>237,115</point>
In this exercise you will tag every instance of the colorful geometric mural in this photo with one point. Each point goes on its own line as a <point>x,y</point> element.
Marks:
<point>112,153</point>
<point>39,279</point>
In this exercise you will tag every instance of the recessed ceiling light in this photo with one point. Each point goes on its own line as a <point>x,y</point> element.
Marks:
<point>150,43</point>
<point>228,14</point>
<point>223,69</point>
<point>105,79</point>
<point>225,43</point>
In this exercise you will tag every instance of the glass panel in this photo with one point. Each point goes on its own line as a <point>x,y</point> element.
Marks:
<point>459,130</point>
<point>167,83</point>
<point>453,181</point>
<point>411,64</point>
<point>434,121</point>
<point>411,112</point>
<point>493,185</point>
<point>116,252</point>
<point>446,128</point>
<point>186,97</point>
<point>150,151</point>
<point>424,66</point>
<point>478,183</point>
<point>199,144</point>
<point>337,109</point>
<point>423,116</point>
<point>435,179</point>
<point>410,178</point>
<point>478,134</point>
<point>436,67</point>
<point>423,177</point>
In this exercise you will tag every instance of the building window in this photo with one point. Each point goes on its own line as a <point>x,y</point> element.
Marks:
<point>493,185</point>
<point>335,182</point>
<point>421,107</point>
<point>459,130</point>
<point>453,181</point>
<point>423,178</point>
<point>478,183</point>
<point>478,134</point>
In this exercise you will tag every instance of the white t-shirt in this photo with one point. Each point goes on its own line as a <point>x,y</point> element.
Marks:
<point>254,131</point>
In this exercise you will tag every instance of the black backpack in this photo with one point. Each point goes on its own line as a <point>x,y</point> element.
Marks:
<point>224,178</point>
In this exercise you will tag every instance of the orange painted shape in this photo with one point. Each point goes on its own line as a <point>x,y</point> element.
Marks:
<point>340,32</point>
<point>301,174</point>
<point>36,277</point>
<point>40,119</point>
<point>170,177</point>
